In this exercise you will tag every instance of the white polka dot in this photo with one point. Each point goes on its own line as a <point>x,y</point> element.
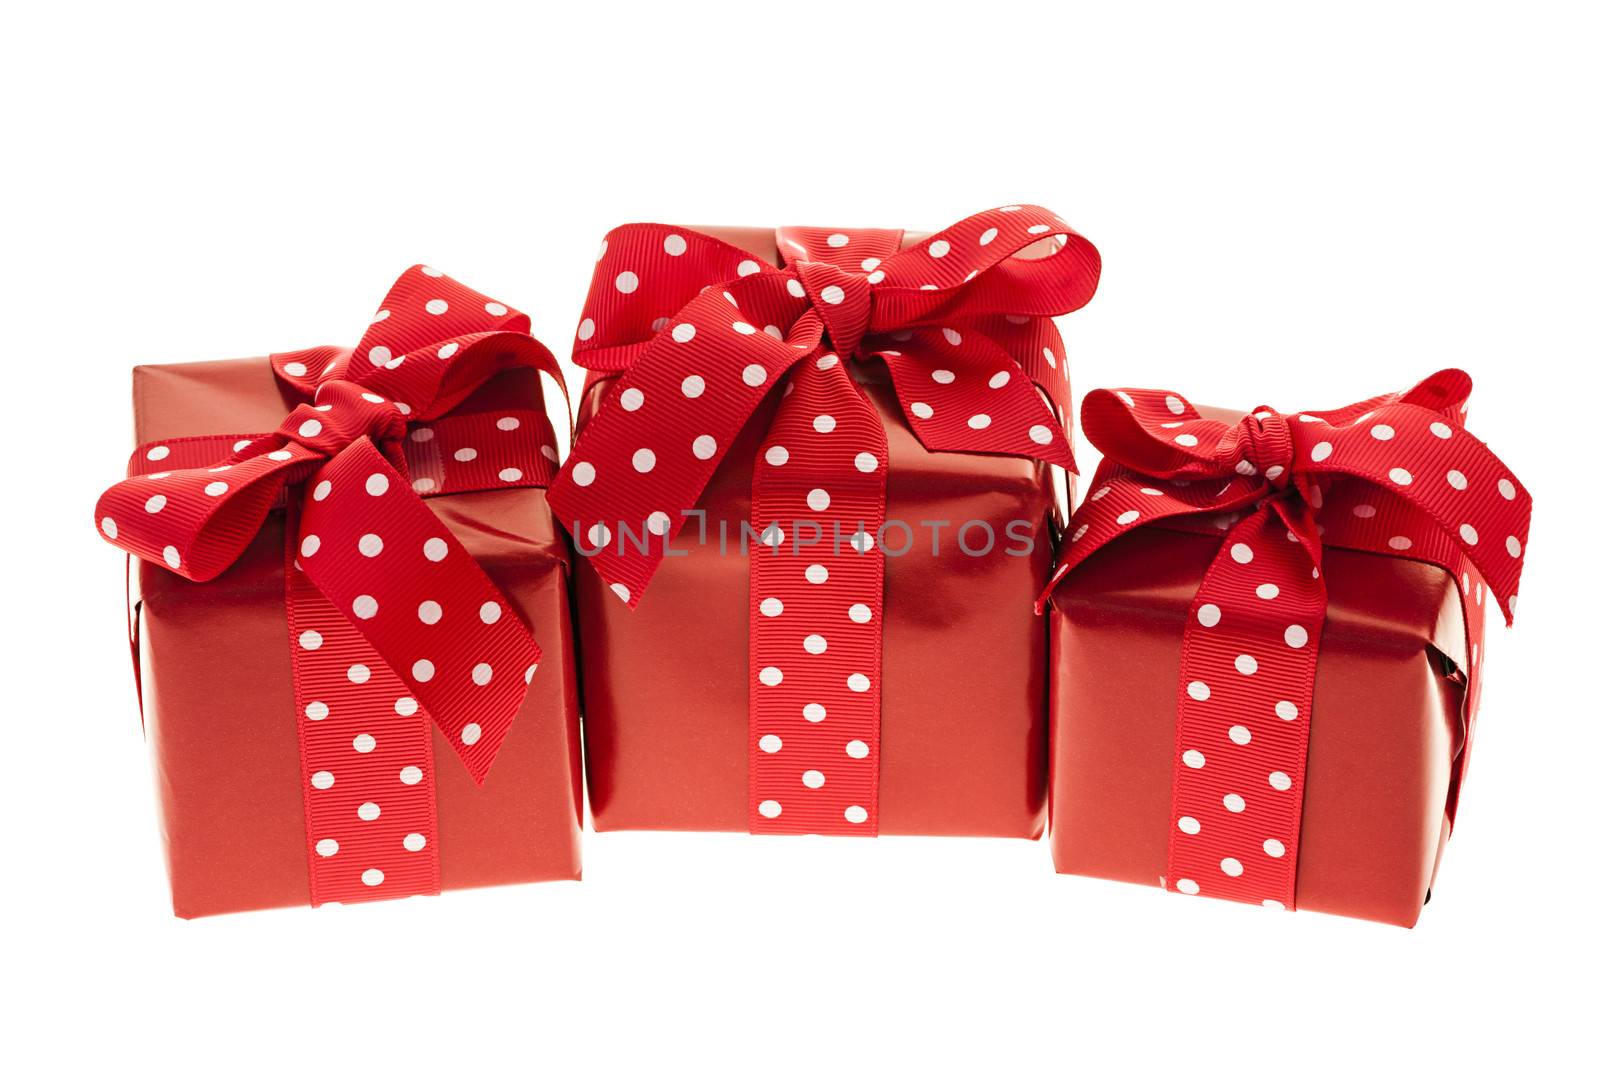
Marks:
<point>770,809</point>
<point>1273,847</point>
<point>466,455</point>
<point>370,545</point>
<point>410,775</point>
<point>813,779</point>
<point>1400,476</point>
<point>1199,690</point>
<point>818,500</point>
<point>414,842</point>
<point>743,327</point>
<point>816,574</point>
<point>705,446</point>
<point>435,549</point>
<point>770,743</point>
<point>1194,759</point>
<point>658,523</point>
<point>422,670</point>
<point>327,847</point>
<point>1457,480</point>
<point>379,355</point>
<point>979,422</point>
<point>1363,511</point>
<point>815,644</point>
<point>632,399</point>
<point>368,812</point>
<point>447,350</point>
<point>358,674</point>
<point>1189,824</point>
<point>621,592</point>
<point>1233,802</point>
<point>824,423</point>
<point>1513,546</point>
<point>310,640</point>
<point>155,503</point>
<point>952,337</point>
<point>1286,710</point>
<point>771,676</point>
<point>1208,615</point>
<point>1187,886</point>
<point>1399,542</point>
<point>814,712</point>
<point>482,674</point>
<point>1127,517</point>
<point>748,267</point>
<point>1295,636</point>
<point>627,282</point>
<point>405,706</point>
<point>429,612</point>
<point>216,488</point>
<point>1267,591</point>
<point>754,375</point>
<point>795,288</point>
<point>1279,781</point>
<point>832,294</point>
<point>363,743</point>
<point>772,607</point>
<point>857,749</point>
<point>858,683</point>
<point>1239,735</point>
<point>322,780</point>
<point>860,613</point>
<point>108,526</point>
<point>1041,434</point>
<point>1242,553</point>
<point>316,711</point>
<point>1231,867</point>
<point>644,461</point>
<point>170,557</point>
<point>471,733</point>
<point>322,490</point>
<point>921,410</point>
<point>938,249</point>
<point>1187,440</point>
<point>855,813</point>
<point>1383,432</point>
<point>1321,451</point>
<point>1507,489</point>
<point>364,607</point>
<point>489,612</point>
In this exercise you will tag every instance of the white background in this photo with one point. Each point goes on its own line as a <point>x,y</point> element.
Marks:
<point>1299,209</point>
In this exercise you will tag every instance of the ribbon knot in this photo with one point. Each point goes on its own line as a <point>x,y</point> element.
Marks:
<point>341,414</point>
<point>843,300</point>
<point>1268,447</point>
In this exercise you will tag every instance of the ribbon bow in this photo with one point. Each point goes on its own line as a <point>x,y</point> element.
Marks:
<point>700,331</point>
<point>366,540</point>
<point>1395,474</point>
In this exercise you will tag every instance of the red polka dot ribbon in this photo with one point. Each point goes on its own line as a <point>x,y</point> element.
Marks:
<point>697,332</point>
<point>388,614</point>
<point>1395,474</point>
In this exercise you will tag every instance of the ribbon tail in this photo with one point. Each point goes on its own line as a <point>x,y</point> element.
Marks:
<point>386,562</point>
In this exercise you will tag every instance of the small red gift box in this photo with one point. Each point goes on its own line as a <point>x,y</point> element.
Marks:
<point>312,601</point>
<point>784,423</point>
<point>1267,643</point>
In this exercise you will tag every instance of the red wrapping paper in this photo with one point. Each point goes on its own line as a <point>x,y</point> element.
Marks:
<point>219,701</point>
<point>666,685</point>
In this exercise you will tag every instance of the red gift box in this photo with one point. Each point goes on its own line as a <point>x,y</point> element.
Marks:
<point>744,382</point>
<point>249,710</point>
<point>1267,642</point>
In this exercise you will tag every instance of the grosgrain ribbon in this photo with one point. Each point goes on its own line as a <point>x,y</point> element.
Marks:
<point>697,332</point>
<point>388,613</point>
<point>1396,474</point>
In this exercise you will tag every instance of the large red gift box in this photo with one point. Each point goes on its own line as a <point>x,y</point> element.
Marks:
<point>743,689</point>
<point>252,816</point>
<point>1219,728</point>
